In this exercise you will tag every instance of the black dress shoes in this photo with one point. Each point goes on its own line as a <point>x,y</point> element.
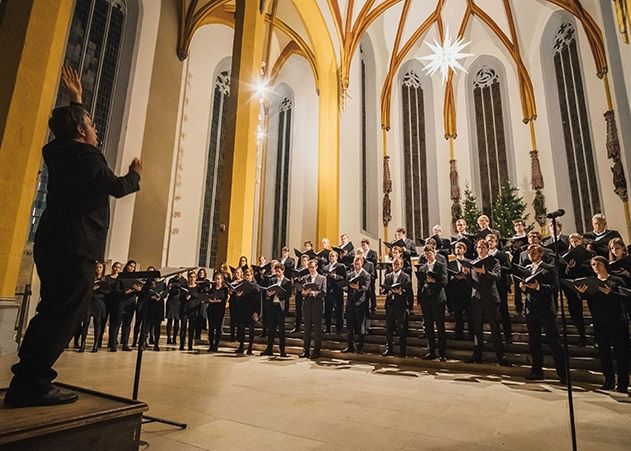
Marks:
<point>348,350</point>
<point>387,352</point>
<point>535,377</point>
<point>95,348</point>
<point>622,389</point>
<point>295,330</point>
<point>608,385</point>
<point>267,352</point>
<point>126,348</point>
<point>429,356</point>
<point>239,350</point>
<point>304,355</point>
<point>283,354</point>
<point>315,355</point>
<point>52,397</point>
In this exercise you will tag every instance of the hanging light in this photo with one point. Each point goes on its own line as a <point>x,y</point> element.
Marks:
<point>445,56</point>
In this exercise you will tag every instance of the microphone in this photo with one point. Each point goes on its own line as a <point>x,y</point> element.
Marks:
<point>556,214</point>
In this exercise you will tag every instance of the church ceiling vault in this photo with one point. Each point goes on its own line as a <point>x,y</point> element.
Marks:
<point>403,25</point>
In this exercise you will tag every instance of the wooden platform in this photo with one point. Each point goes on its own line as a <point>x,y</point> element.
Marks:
<point>97,421</point>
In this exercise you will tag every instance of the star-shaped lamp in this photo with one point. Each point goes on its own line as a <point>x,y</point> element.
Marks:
<point>445,56</point>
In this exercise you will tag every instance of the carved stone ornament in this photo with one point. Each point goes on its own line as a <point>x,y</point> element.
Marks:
<point>387,189</point>
<point>535,171</point>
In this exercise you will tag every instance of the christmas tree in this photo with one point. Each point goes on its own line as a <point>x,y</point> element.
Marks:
<point>470,210</point>
<point>508,207</point>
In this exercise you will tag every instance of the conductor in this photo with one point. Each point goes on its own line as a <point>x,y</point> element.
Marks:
<point>71,234</point>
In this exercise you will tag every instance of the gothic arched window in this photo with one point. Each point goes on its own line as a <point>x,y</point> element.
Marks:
<point>281,189</point>
<point>576,132</point>
<point>214,172</point>
<point>491,139</point>
<point>416,206</point>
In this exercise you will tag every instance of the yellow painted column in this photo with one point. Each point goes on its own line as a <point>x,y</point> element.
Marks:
<point>237,213</point>
<point>33,37</point>
<point>328,213</point>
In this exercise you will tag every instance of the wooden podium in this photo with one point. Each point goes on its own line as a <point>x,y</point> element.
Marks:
<point>96,421</point>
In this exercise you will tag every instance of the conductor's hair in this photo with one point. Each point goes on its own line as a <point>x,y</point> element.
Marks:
<point>401,230</point>
<point>65,120</point>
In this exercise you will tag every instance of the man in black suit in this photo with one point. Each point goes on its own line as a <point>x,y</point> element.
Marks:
<point>277,310</point>
<point>563,241</point>
<point>288,262</point>
<point>485,302</point>
<point>347,254</point>
<point>443,245</point>
<point>312,308</point>
<point>516,247</point>
<point>71,235</point>
<point>335,273</point>
<point>485,228</point>
<point>598,239</point>
<point>534,237</point>
<point>432,278</point>
<point>410,245</point>
<point>356,308</point>
<point>371,256</point>
<point>395,286</point>
<point>465,237</point>
<point>503,284</point>
<point>541,313</point>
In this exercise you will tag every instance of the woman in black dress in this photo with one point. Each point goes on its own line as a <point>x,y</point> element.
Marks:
<point>155,311</point>
<point>247,305</point>
<point>125,293</point>
<point>174,301</point>
<point>217,297</point>
<point>610,324</point>
<point>237,278</point>
<point>189,310</point>
<point>96,310</point>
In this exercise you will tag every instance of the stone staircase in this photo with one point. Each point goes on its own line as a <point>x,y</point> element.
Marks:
<point>584,361</point>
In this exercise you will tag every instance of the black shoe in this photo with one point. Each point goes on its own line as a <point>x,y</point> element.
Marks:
<point>535,377</point>
<point>315,355</point>
<point>181,347</point>
<point>622,389</point>
<point>402,354</point>
<point>52,397</point>
<point>443,358</point>
<point>81,348</point>
<point>504,362</point>
<point>95,348</point>
<point>387,352</point>
<point>608,385</point>
<point>126,348</point>
<point>239,350</point>
<point>156,347</point>
<point>508,339</point>
<point>111,349</point>
<point>249,352</point>
<point>304,355</point>
<point>327,330</point>
<point>267,352</point>
<point>348,350</point>
<point>283,354</point>
<point>134,344</point>
<point>429,356</point>
<point>295,330</point>
<point>190,348</point>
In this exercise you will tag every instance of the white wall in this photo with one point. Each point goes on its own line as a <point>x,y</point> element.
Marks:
<point>210,45</point>
<point>133,126</point>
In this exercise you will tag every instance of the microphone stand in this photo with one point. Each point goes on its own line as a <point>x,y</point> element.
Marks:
<point>150,277</point>
<point>568,376</point>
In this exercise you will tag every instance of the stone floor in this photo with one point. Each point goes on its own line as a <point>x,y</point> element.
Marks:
<point>255,403</point>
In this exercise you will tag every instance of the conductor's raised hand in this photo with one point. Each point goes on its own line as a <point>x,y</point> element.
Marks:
<point>72,82</point>
<point>136,166</point>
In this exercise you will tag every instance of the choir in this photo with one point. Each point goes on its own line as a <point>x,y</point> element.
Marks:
<point>469,275</point>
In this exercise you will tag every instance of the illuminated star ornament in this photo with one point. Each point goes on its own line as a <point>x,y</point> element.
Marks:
<point>445,56</point>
